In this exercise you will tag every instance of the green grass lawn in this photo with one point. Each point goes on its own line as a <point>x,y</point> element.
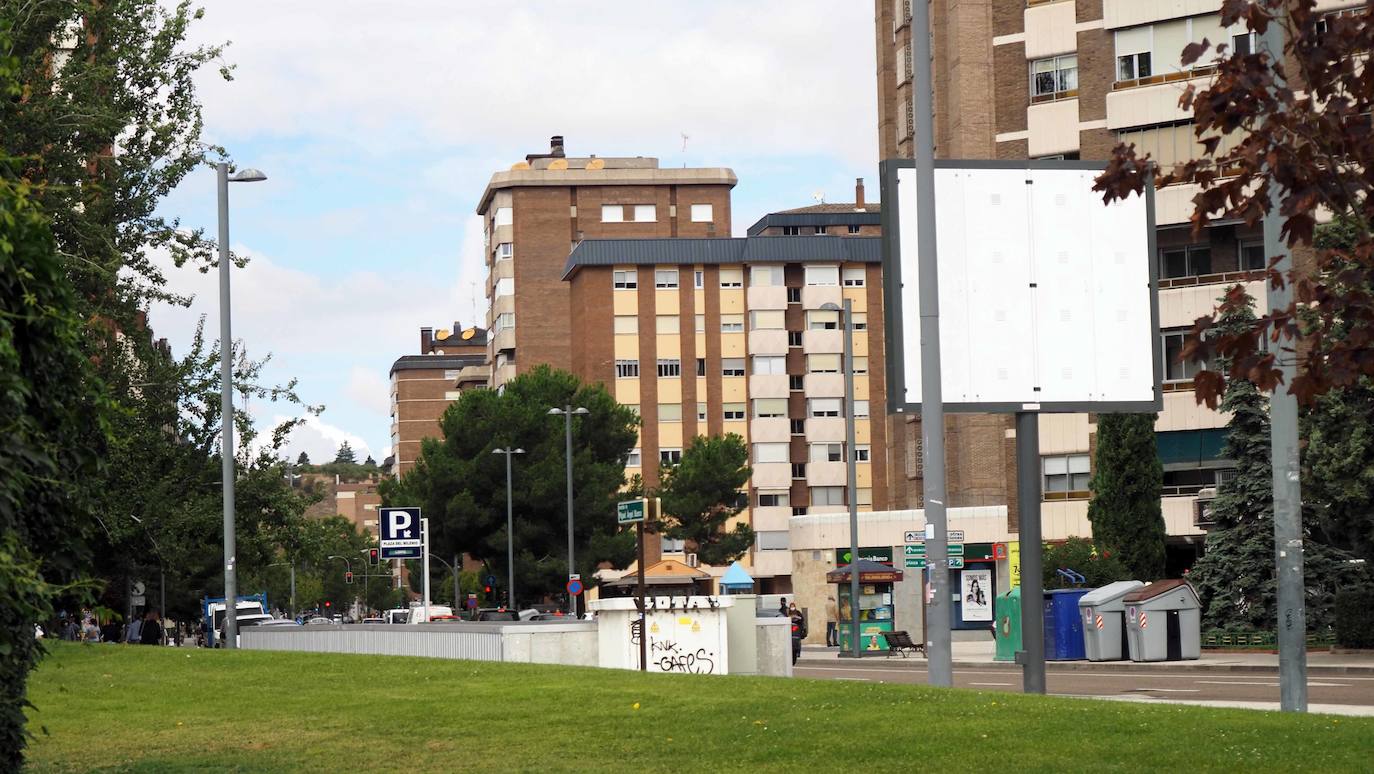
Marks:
<point>113,707</point>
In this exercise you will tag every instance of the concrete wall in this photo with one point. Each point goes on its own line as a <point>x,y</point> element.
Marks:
<point>573,644</point>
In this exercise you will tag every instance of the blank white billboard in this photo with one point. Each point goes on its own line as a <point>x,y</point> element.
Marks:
<point>1047,298</point>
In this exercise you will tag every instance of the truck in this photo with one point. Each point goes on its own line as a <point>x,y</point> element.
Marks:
<point>212,612</point>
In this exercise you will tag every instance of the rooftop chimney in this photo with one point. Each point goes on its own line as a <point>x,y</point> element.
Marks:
<point>859,193</point>
<point>556,146</point>
<point>426,340</point>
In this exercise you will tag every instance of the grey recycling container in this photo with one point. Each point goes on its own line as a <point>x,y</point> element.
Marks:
<point>1104,620</point>
<point>1164,622</point>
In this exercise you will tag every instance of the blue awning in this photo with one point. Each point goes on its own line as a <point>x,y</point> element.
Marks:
<point>736,577</point>
<point>1190,446</point>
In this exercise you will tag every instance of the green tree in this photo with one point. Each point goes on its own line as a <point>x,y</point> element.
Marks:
<point>303,459</point>
<point>461,484</point>
<point>1098,567</point>
<point>1125,510</point>
<point>346,455</point>
<point>369,462</point>
<point>701,494</point>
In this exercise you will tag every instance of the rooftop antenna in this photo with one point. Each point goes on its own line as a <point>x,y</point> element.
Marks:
<point>685,138</point>
<point>819,196</point>
<point>473,284</point>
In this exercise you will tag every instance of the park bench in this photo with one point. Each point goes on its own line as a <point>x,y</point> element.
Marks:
<point>900,642</point>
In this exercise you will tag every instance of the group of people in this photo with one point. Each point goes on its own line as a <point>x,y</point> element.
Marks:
<point>148,629</point>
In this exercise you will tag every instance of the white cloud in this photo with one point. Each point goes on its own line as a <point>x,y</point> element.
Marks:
<point>369,389</point>
<point>321,441</point>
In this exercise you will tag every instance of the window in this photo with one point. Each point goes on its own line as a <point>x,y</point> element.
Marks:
<point>626,324</point>
<point>1054,78</point>
<point>1189,480</point>
<point>860,364</point>
<point>667,324</point>
<point>824,407</point>
<point>765,276</point>
<point>671,546</point>
<point>794,295</point>
<point>860,409</point>
<point>1244,44</point>
<point>665,279</point>
<point>796,383</point>
<point>626,280</point>
<point>732,277</point>
<point>771,452</point>
<point>860,320</point>
<point>505,286</point>
<point>769,364</point>
<point>645,213</point>
<point>699,323</point>
<point>1174,371</point>
<point>772,540</point>
<point>821,230</point>
<point>612,213</point>
<point>702,213</point>
<point>701,366</point>
<point>1066,473</point>
<point>823,276</point>
<point>670,368</point>
<point>799,510</point>
<point>732,366</point>
<point>853,228</point>
<point>767,320</point>
<point>864,495</point>
<point>827,495</point>
<point>1252,256</point>
<point>504,216</point>
<point>701,412</point>
<point>798,470</point>
<point>791,230</point>
<point>827,452</point>
<point>732,323</point>
<point>794,338</point>
<point>505,251</point>
<point>451,374</point>
<point>733,411</point>
<point>823,364</point>
<point>1187,261</point>
<point>822,320</point>
<point>670,412</point>
<point>504,321</point>
<point>774,499</point>
<point>1157,49</point>
<point>798,426</point>
<point>698,279</point>
<point>765,408</point>
<point>452,394</point>
<point>669,456</point>
<point>626,369</point>
<point>1133,53</point>
<point>634,459</point>
<point>1176,143</point>
<point>853,276</point>
<point>862,452</point>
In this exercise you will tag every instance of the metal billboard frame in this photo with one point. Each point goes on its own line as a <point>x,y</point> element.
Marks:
<point>893,312</point>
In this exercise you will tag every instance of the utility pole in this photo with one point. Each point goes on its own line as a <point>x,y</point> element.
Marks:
<point>226,408</point>
<point>1032,653</point>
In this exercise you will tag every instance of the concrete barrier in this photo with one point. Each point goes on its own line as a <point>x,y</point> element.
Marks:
<point>533,642</point>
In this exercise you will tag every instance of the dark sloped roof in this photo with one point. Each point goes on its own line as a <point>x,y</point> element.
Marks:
<point>820,215</point>
<point>848,207</point>
<point>419,362</point>
<point>723,251</point>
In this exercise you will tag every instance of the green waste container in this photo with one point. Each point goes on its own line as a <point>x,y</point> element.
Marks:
<point>1007,625</point>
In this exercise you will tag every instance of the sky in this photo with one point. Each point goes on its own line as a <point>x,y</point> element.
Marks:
<point>379,124</point>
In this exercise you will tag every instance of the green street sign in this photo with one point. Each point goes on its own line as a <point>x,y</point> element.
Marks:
<point>956,549</point>
<point>916,564</point>
<point>630,511</point>
<point>915,550</point>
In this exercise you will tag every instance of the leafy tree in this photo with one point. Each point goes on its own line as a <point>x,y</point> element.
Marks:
<point>461,484</point>
<point>1327,101</point>
<point>346,455</point>
<point>303,459</point>
<point>1125,510</point>
<point>701,494</point>
<point>1098,568</point>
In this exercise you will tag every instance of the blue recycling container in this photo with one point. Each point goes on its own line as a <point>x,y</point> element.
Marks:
<point>1063,625</point>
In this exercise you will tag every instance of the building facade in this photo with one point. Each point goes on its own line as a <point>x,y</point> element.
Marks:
<point>423,386</point>
<point>536,212</point>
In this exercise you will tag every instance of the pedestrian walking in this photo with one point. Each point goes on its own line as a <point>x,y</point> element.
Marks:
<point>151,631</point>
<point>832,623</point>
<point>132,634</point>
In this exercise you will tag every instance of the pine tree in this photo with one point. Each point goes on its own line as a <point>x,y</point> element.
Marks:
<point>304,459</point>
<point>369,462</point>
<point>346,454</point>
<point>1125,510</point>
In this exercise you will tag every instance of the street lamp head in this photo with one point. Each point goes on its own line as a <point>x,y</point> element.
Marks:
<point>248,175</point>
<point>580,410</point>
<point>555,412</point>
<point>517,451</point>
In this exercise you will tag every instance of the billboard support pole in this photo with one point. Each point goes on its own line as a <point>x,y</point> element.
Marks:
<point>424,539</point>
<point>932,400</point>
<point>1032,653</point>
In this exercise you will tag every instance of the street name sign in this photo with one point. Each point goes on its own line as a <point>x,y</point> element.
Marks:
<point>631,511</point>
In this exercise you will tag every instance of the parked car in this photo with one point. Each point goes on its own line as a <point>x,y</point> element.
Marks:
<point>319,620</point>
<point>373,621</point>
<point>496,614</point>
<point>243,622</point>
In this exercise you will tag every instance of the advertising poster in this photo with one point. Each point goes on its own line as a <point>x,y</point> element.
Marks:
<point>977,594</point>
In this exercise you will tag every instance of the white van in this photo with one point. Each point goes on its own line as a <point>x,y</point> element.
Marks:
<point>417,613</point>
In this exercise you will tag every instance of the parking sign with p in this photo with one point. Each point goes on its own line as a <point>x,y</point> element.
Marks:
<point>400,538</point>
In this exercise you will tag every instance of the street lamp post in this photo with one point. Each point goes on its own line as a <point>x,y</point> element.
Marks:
<point>846,315</point>
<point>292,565</point>
<point>453,568</point>
<point>510,534</point>
<point>567,413</point>
<point>226,400</point>
<point>161,567</point>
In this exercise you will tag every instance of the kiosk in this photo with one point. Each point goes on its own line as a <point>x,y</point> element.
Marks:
<point>875,603</point>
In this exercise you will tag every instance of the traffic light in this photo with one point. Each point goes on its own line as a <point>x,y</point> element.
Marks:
<point>374,556</point>
<point>328,604</point>
<point>348,577</point>
<point>487,589</point>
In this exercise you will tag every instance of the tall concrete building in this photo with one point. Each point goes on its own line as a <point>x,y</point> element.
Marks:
<point>711,336</point>
<point>423,386</point>
<point>534,214</point>
<point>1071,79</point>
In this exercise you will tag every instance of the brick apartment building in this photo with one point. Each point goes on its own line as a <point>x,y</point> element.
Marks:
<point>423,385</point>
<point>1071,79</point>
<point>533,215</point>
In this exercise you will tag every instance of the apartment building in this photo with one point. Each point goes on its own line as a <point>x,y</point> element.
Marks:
<point>423,385</point>
<point>358,502</point>
<point>533,215</point>
<point>857,218</point>
<point>742,335</point>
<point>1071,80</point>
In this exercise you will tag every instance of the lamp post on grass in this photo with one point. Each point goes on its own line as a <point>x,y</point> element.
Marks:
<point>510,534</point>
<point>846,325</point>
<point>567,413</point>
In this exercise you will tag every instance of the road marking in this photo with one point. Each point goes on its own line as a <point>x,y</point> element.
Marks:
<point>856,679</point>
<point>989,683</point>
<point>1169,690</point>
<point>1235,682</point>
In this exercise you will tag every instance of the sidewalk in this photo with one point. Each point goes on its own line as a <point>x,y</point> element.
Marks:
<point>979,654</point>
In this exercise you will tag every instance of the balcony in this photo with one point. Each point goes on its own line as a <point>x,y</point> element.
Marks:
<point>824,385</point>
<point>768,341</point>
<point>770,430</point>
<point>768,386</point>
<point>823,342</point>
<point>772,475</point>
<point>1137,103</point>
<point>816,296</point>
<point>769,564</point>
<point>771,518</point>
<point>825,430</point>
<point>767,297</point>
<point>826,474</point>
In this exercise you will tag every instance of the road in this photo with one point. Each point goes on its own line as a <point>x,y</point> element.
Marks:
<point>1167,683</point>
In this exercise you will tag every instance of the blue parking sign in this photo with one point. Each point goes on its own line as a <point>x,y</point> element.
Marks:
<point>400,533</point>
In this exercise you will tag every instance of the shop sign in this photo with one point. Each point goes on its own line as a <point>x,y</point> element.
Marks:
<point>882,555</point>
